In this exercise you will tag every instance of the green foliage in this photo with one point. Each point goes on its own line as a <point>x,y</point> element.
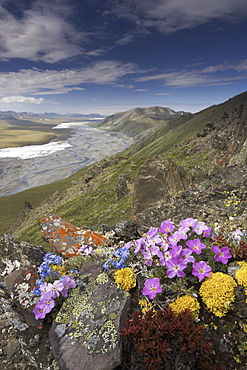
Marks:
<point>12,205</point>
<point>32,235</point>
<point>92,208</point>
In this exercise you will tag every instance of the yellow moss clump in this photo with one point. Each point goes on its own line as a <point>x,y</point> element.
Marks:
<point>217,293</point>
<point>241,276</point>
<point>186,301</point>
<point>145,306</point>
<point>125,278</point>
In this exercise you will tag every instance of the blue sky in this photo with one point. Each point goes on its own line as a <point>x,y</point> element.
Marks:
<point>107,56</point>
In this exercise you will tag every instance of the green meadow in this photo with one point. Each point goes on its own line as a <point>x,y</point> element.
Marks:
<point>16,132</point>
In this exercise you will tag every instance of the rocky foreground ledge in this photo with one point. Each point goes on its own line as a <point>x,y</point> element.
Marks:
<point>83,332</point>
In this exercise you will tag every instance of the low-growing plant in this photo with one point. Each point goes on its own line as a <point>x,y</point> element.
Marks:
<point>164,340</point>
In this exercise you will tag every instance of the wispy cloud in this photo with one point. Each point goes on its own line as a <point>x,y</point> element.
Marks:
<point>21,99</point>
<point>43,82</point>
<point>169,16</point>
<point>162,94</point>
<point>200,77</point>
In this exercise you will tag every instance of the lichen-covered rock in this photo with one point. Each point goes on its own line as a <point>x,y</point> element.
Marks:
<point>66,238</point>
<point>20,285</point>
<point>86,331</point>
<point>21,346</point>
<point>16,254</point>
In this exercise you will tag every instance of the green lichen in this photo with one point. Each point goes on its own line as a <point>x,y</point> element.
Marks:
<point>102,278</point>
<point>89,319</point>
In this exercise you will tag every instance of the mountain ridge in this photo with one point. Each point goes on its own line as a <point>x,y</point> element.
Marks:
<point>137,120</point>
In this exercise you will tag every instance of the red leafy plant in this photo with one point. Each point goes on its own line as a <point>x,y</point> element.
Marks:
<point>238,248</point>
<point>163,340</point>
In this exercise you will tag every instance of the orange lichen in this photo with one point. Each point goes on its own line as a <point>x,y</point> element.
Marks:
<point>67,238</point>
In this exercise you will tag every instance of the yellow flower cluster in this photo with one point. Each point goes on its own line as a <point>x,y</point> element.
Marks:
<point>217,293</point>
<point>59,269</point>
<point>145,306</point>
<point>125,278</point>
<point>241,276</point>
<point>232,200</point>
<point>186,301</point>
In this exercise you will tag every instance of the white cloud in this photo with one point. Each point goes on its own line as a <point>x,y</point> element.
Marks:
<point>162,94</point>
<point>40,34</point>
<point>43,82</point>
<point>62,90</point>
<point>172,15</point>
<point>200,77</point>
<point>141,90</point>
<point>124,86</point>
<point>21,99</point>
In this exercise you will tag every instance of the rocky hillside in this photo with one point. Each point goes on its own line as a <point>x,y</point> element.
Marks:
<point>166,137</point>
<point>137,120</point>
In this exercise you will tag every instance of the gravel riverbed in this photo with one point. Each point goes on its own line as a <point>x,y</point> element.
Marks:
<point>30,166</point>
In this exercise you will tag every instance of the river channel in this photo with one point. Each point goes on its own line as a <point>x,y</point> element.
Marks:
<point>30,166</point>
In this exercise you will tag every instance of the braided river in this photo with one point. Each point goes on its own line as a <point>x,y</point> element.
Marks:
<point>34,165</point>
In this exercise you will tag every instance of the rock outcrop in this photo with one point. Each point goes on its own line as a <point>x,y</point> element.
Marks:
<point>86,331</point>
<point>66,238</point>
<point>158,179</point>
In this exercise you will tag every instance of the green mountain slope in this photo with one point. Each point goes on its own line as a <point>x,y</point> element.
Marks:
<point>164,138</point>
<point>137,120</point>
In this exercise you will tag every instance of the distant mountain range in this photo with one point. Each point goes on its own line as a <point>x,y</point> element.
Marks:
<point>10,113</point>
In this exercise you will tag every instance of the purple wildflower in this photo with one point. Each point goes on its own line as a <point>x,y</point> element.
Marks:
<point>148,257</point>
<point>82,248</point>
<point>207,232</point>
<point>39,311</point>
<point>44,306</point>
<point>183,232</point>
<point>55,288</point>
<point>200,228</point>
<point>167,255</point>
<point>188,222</point>
<point>68,282</point>
<point>87,251</point>
<point>201,270</point>
<point>175,267</point>
<point>237,234</point>
<point>166,227</point>
<point>186,255</point>
<point>164,244</point>
<point>140,245</point>
<point>43,288</point>
<point>174,238</point>
<point>152,287</point>
<point>195,245</point>
<point>128,245</point>
<point>152,232</point>
<point>221,254</point>
<point>155,251</point>
<point>176,251</point>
